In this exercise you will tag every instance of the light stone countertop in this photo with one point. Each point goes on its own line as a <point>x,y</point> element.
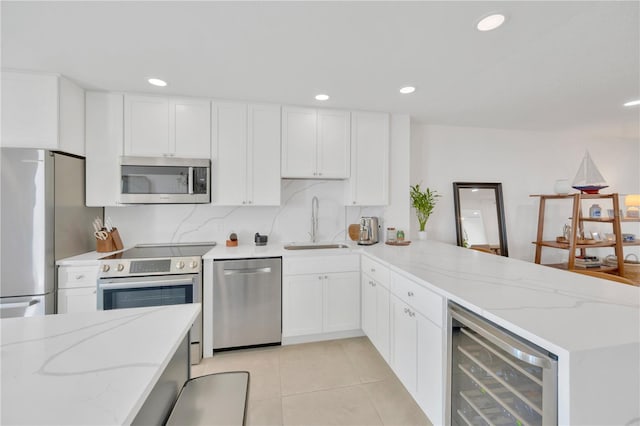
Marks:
<point>88,368</point>
<point>558,310</point>
<point>593,325</point>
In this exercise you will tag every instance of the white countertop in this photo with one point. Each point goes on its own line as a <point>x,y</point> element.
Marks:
<point>84,259</point>
<point>87,369</point>
<point>275,249</point>
<point>558,310</point>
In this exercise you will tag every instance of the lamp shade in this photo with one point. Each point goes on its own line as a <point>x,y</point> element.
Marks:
<point>632,202</point>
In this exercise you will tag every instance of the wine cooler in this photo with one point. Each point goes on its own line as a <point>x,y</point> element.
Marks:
<point>498,378</point>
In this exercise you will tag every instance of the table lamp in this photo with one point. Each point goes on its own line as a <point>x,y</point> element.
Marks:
<point>632,202</point>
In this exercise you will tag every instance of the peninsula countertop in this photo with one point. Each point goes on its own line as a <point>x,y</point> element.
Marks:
<point>88,368</point>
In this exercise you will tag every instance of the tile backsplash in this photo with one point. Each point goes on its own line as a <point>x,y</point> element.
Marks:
<point>291,221</point>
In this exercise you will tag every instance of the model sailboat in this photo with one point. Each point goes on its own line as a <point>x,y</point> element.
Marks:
<point>588,179</point>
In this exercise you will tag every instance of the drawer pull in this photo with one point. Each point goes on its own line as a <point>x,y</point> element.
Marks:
<point>410,293</point>
<point>79,277</point>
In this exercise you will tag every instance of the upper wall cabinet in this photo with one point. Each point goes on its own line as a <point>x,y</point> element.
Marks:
<point>42,111</point>
<point>245,154</point>
<point>369,183</point>
<point>166,127</point>
<point>105,114</point>
<point>315,143</point>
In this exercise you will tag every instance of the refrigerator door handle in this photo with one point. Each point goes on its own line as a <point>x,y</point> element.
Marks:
<point>15,305</point>
<point>502,340</point>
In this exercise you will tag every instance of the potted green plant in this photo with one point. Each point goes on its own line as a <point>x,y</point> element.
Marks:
<point>423,202</point>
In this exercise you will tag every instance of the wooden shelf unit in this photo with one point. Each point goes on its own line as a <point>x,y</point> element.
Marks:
<point>577,228</point>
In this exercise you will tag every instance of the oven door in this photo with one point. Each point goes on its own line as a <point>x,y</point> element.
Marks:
<point>137,292</point>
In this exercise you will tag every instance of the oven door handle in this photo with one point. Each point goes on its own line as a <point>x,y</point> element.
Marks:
<point>154,283</point>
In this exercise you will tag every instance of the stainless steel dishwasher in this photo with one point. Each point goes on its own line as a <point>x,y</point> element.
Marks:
<point>247,302</point>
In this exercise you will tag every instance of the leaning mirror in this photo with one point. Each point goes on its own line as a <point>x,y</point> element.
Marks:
<point>480,217</point>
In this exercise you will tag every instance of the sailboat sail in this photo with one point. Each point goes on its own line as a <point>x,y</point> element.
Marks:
<point>588,176</point>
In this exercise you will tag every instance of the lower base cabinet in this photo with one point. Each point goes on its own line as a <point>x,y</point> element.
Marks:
<point>77,300</point>
<point>418,346</point>
<point>430,370</point>
<point>376,314</point>
<point>77,289</point>
<point>320,302</point>
<point>404,332</point>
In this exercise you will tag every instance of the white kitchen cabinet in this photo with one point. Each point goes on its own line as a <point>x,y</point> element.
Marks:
<point>315,143</point>
<point>302,305</point>
<point>418,344</point>
<point>404,334</point>
<point>76,300</point>
<point>320,295</point>
<point>430,369</point>
<point>77,287</point>
<point>156,126</point>
<point>245,154</point>
<point>376,311</point>
<point>104,123</point>
<point>190,127</point>
<point>341,299</point>
<point>42,111</point>
<point>369,181</point>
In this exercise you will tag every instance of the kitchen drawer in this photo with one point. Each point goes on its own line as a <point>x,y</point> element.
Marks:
<point>320,264</point>
<point>77,276</point>
<point>426,302</point>
<point>375,270</point>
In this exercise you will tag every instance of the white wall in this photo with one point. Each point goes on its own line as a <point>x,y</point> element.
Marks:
<point>291,221</point>
<point>526,163</point>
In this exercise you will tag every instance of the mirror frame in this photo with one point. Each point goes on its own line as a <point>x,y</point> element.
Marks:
<point>497,188</point>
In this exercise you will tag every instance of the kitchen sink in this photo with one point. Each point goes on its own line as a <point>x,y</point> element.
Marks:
<point>314,246</point>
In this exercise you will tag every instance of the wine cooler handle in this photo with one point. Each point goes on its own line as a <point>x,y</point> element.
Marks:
<point>502,340</point>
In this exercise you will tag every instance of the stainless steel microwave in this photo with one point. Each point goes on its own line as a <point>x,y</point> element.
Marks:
<point>164,180</point>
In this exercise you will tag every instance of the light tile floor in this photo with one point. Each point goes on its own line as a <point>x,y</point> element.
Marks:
<point>338,382</point>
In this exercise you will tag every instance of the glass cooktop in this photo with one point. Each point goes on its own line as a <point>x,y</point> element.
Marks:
<point>163,251</point>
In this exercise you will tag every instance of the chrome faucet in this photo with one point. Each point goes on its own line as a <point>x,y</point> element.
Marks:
<point>314,219</point>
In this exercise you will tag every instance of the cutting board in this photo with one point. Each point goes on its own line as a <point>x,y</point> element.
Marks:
<point>354,231</point>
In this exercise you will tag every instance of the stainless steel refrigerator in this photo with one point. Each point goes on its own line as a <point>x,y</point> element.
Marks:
<point>43,219</point>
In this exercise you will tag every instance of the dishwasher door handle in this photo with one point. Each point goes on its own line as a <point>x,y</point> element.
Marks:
<point>248,271</point>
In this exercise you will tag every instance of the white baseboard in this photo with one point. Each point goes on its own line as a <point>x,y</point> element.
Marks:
<point>293,340</point>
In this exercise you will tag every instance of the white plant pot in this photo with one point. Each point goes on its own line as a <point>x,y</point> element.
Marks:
<point>422,235</point>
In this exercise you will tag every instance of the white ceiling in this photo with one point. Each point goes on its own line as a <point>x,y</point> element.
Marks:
<point>552,66</point>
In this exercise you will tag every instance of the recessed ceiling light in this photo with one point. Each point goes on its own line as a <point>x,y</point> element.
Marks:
<point>322,97</point>
<point>632,103</point>
<point>407,89</point>
<point>157,82</point>
<point>490,22</point>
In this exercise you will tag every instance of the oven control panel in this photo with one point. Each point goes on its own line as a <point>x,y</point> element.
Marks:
<point>141,267</point>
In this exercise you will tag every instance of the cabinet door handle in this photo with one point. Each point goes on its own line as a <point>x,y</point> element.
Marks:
<point>373,269</point>
<point>410,293</point>
<point>249,202</point>
<point>406,310</point>
<point>326,277</point>
<point>353,202</point>
<point>319,277</point>
<point>412,314</point>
